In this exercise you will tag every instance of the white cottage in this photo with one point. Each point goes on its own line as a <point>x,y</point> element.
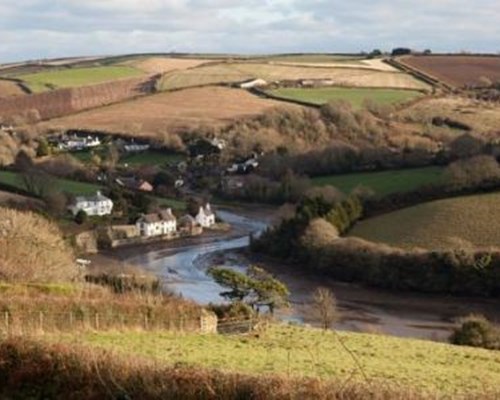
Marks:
<point>205,216</point>
<point>157,224</point>
<point>92,205</point>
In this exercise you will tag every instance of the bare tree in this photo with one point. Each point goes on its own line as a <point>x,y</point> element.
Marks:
<point>325,307</point>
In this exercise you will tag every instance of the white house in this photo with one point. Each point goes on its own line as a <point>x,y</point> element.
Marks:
<point>157,224</point>
<point>205,216</point>
<point>92,205</point>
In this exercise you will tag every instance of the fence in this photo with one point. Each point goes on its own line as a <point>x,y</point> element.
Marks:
<point>25,323</point>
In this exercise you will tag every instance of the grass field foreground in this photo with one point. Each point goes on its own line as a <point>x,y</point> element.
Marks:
<point>355,96</point>
<point>441,224</point>
<point>74,77</point>
<point>298,352</point>
<point>384,182</point>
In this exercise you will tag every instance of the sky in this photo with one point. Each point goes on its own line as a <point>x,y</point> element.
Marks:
<point>35,29</point>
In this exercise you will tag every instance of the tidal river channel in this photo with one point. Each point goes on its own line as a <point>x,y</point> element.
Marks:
<point>182,269</point>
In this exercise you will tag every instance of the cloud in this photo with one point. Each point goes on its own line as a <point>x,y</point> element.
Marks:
<point>31,29</point>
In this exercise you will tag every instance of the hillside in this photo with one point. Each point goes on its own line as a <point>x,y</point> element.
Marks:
<point>438,225</point>
<point>178,110</point>
<point>295,353</point>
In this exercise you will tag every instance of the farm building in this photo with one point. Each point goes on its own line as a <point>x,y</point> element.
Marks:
<point>97,205</point>
<point>135,184</point>
<point>252,83</point>
<point>205,216</point>
<point>157,224</point>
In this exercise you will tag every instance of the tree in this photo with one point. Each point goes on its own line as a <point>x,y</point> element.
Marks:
<point>43,148</point>
<point>268,290</point>
<point>325,307</point>
<point>81,217</point>
<point>239,284</point>
<point>257,287</point>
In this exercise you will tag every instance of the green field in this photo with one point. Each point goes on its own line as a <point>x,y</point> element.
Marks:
<point>151,157</point>
<point>295,351</point>
<point>355,96</point>
<point>73,77</point>
<point>73,187</point>
<point>385,182</point>
<point>442,224</point>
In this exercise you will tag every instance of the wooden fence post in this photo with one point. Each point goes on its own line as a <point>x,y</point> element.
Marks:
<point>96,321</point>
<point>71,320</point>
<point>40,321</point>
<point>146,321</point>
<point>6,319</point>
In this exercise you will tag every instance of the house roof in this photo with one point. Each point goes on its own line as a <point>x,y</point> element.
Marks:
<point>93,198</point>
<point>133,183</point>
<point>187,220</point>
<point>163,215</point>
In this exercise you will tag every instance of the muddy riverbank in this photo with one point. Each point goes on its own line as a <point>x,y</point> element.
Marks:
<point>182,268</point>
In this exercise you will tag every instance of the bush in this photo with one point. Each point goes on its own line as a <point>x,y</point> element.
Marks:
<point>33,249</point>
<point>81,217</point>
<point>476,331</point>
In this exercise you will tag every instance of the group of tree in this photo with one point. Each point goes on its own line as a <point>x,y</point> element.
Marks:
<point>283,240</point>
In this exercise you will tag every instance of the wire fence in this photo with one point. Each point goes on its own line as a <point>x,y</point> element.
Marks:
<point>20,323</point>
<point>40,322</point>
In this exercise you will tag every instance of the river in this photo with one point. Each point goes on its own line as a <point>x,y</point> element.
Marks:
<point>183,270</point>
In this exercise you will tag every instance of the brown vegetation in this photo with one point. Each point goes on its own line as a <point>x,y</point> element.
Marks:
<point>170,112</point>
<point>9,89</point>
<point>67,101</point>
<point>458,71</point>
<point>33,249</point>
<point>58,371</point>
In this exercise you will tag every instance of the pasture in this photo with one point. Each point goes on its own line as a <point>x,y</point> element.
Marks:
<point>441,224</point>
<point>172,111</point>
<point>435,368</point>
<point>240,71</point>
<point>151,157</point>
<point>355,96</point>
<point>74,77</point>
<point>384,182</point>
<point>458,71</point>
<point>156,65</point>
<point>77,188</point>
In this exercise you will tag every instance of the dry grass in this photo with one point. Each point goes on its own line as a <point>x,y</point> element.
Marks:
<point>481,116</point>
<point>375,64</point>
<point>59,371</point>
<point>157,65</point>
<point>33,249</point>
<point>234,72</point>
<point>9,89</point>
<point>442,224</point>
<point>7,198</point>
<point>214,106</point>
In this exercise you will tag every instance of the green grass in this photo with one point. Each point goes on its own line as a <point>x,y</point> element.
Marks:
<point>385,182</point>
<point>65,185</point>
<point>151,157</point>
<point>355,96</point>
<point>70,77</point>
<point>297,351</point>
<point>442,224</point>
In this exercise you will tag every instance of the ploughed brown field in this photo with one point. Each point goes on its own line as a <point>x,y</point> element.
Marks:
<point>172,111</point>
<point>9,89</point>
<point>457,71</point>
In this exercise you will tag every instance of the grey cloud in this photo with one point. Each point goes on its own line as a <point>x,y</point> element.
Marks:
<point>39,28</point>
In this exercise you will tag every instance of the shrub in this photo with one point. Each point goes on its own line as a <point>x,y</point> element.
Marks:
<point>476,331</point>
<point>81,217</point>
